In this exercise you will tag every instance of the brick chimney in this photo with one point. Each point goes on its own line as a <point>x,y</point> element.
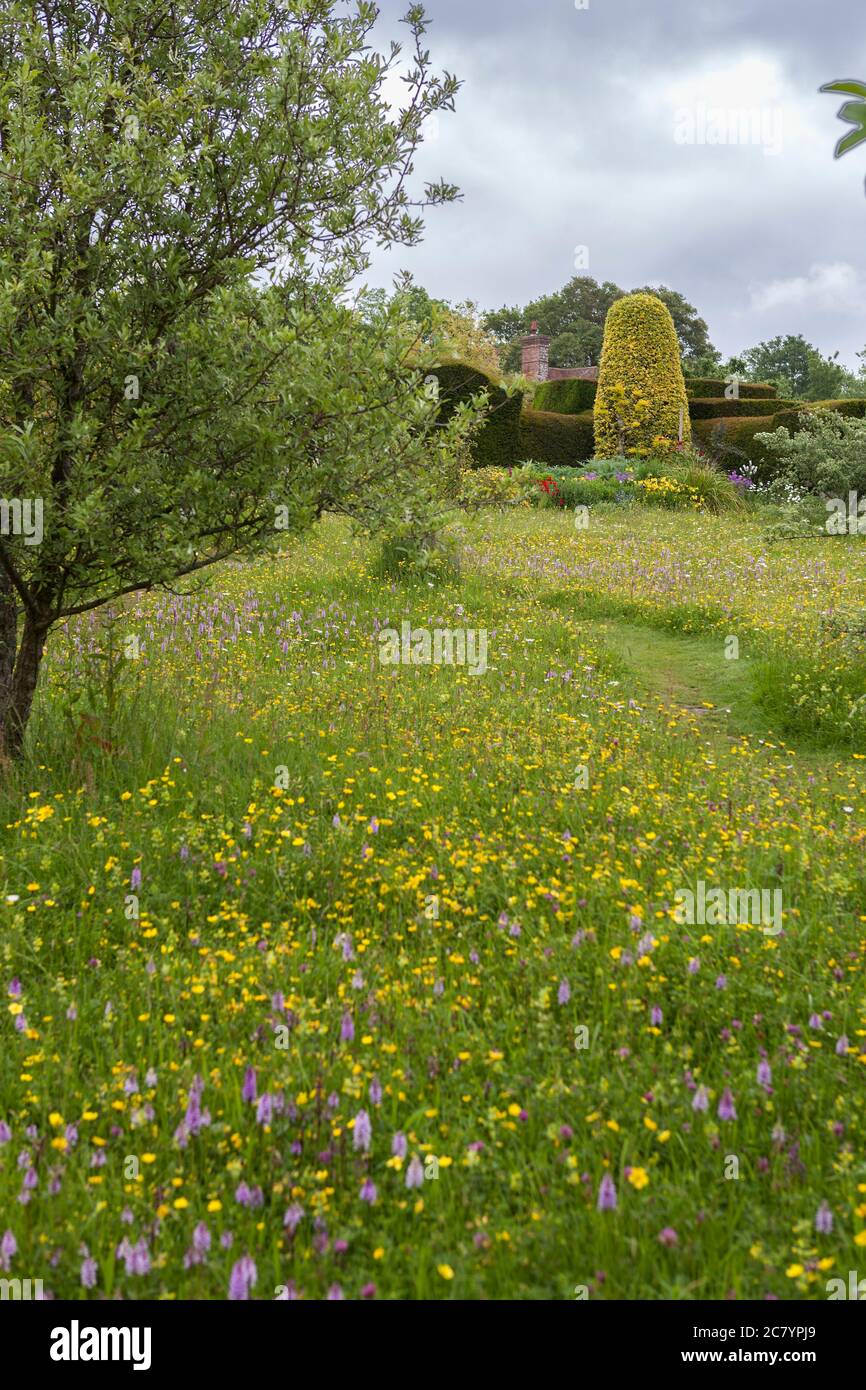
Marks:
<point>534,354</point>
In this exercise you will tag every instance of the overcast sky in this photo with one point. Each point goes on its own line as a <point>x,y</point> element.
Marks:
<point>593,127</point>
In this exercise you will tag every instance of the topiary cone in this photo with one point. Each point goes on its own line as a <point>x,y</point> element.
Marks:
<point>641,391</point>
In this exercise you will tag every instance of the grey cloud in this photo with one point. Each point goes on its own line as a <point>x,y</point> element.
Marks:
<point>564,135</point>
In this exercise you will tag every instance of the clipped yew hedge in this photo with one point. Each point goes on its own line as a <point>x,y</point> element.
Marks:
<point>641,355</point>
<point>711,408</point>
<point>731,439</point>
<point>495,443</point>
<point>549,437</point>
<point>854,408</point>
<point>706,396</point>
<point>731,442</point>
<point>702,387</point>
<point>569,397</point>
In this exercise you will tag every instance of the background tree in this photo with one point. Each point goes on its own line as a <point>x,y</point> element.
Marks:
<point>458,334</point>
<point>568,351</point>
<point>829,379</point>
<point>416,304</point>
<point>451,331</point>
<point>582,301</point>
<point>787,359</point>
<point>185,191</point>
<point>799,369</point>
<point>692,332</point>
<point>709,364</point>
<point>579,311</point>
<point>506,324</point>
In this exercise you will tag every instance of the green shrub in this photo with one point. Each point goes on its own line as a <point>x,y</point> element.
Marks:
<point>825,456</point>
<point>484,487</point>
<point>758,391</point>
<point>549,488</point>
<point>578,492</point>
<point>570,397</point>
<point>641,393</point>
<point>411,554</point>
<point>688,484</point>
<point>495,443</point>
<point>703,387</point>
<point>663,490</point>
<point>716,491</point>
<point>556,439</point>
<point>733,441</point>
<point>714,408</point>
<point>614,469</point>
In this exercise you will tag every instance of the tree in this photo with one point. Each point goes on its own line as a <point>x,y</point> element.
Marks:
<point>185,191</point>
<point>582,301</point>
<point>735,366</point>
<point>641,394</point>
<point>787,358</point>
<point>799,369</point>
<point>457,334</point>
<point>708,365</point>
<point>416,304</point>
<point>828,380</point>
<point>826,455</point>
<point>506,324</point>
<point>567,351</point>
<point>580,349</point>
<point>579,309</point>
<point>451,332</point>
<point>692,332</point>
<point>506,327</point>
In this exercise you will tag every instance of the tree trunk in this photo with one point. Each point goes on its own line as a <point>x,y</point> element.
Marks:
<point>8,644</point>
<point>19,698</point>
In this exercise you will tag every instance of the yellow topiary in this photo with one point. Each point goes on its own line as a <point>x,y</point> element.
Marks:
<point>641,391</point>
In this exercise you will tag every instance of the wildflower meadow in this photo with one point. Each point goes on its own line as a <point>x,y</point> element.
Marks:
<point>374,985</point>
<point>432,736</point>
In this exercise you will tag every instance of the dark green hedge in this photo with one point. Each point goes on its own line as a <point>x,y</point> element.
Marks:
<point>569,397</point>
<point>548,437</point>
<point>711,408</point>
<point>732,443</point>
<point>495,444</point>
<point>702,387</point>
<point>731,440</point>
<point>854,407</point>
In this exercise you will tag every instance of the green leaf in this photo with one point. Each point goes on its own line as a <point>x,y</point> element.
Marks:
<point>855,114</point>
<point>848,87</point>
